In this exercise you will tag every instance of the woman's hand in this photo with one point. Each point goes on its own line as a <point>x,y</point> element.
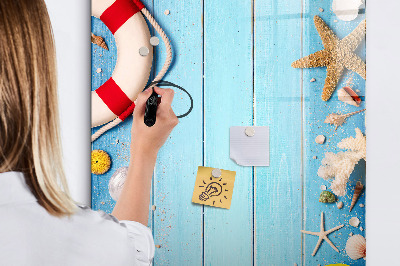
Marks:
<point>133,203</point>
<point>148,140</point>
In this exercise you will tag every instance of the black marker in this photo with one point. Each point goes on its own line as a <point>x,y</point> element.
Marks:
<point>151,110</point>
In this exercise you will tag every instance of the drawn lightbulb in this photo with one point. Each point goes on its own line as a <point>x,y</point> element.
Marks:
<point>213,189</point>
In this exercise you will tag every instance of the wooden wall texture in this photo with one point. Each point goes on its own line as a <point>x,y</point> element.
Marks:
<point>234,58</point>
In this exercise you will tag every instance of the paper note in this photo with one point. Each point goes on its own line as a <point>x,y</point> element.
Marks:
<point>214,191</point>
<point>249,146</point>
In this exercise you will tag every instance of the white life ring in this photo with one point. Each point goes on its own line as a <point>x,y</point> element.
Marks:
<point>132,71</point>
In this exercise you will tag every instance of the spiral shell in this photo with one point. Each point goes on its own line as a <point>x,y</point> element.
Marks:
<point>117,182</point>
<point>356,247</point>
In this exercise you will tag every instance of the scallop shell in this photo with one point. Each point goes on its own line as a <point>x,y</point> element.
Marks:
<point>117,182</point>
<point>346,10</point>
<point>345,97</point>
<point>354,221</point>
<point>356,247</point>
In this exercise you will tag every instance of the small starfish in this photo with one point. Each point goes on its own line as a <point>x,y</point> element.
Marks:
<point>323,235</point>
<point>336,55</point>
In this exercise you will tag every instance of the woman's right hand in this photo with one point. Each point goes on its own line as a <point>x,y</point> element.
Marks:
<point>148,140</point>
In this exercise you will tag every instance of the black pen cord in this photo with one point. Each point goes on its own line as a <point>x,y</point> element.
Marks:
<point>163,83</point>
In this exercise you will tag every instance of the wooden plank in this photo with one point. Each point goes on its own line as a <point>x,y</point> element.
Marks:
<point>315,112</point>
<point>178,222</point>
<point>228,98</point>
<point>116,142</point>
<point>278,105</point>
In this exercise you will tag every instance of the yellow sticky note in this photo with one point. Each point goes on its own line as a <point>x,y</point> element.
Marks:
<point>214,191</point>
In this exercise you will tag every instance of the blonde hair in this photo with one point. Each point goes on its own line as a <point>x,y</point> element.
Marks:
<point>29,119</point>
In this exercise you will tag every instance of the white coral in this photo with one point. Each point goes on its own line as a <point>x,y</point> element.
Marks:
<point>340,165</point>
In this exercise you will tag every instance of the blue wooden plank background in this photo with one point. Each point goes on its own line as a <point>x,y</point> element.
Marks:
<point>234,58</point>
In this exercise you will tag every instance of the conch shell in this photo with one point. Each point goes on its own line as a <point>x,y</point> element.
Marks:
<point>347,95</point>
<point>357,192</point>
<point>356,247</point>
<point>99,41</point>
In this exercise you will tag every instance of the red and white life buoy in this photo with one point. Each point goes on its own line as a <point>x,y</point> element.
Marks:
<point>132,71</point>
<point>115,98</point>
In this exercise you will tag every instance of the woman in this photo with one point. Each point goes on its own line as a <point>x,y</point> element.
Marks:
<point>39,222</point>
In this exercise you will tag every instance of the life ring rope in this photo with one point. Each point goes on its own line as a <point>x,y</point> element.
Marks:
<point>159,76</point>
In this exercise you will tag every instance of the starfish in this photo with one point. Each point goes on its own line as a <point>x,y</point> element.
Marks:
<point>323,235</point>
<point>336,55</point>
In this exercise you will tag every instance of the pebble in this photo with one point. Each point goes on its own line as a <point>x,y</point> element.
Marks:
<point>321,9</point>
<point>216,173</point>
<point>335,20</point>
<point>362,229</point>
<point>314,157</point>
<point>322,187</point>
<point>339,205</point>
<point>320,139</point>
<point>357,90</point>
<point>166,12</point>
<point>154,41</point>
<point>153,208</point>
<point>250,131</point>
<point>361,205</point>
<point>158,246</point>
<point>312,80</point>
<point>144,51</point>
<point>351,234</point>
<point>98,70</point>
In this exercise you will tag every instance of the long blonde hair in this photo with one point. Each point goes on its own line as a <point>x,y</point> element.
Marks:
<point>29,119</point>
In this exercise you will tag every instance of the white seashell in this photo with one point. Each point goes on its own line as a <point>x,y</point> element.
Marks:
<point>362,229</point>
<point>356,247</point>
<point>354,221</point>
<point>117,182</point>
<point>346,10</point>
<point>339,205</point>
<point>320,139</point>
<point>346,97</point>
<point>361,205</point>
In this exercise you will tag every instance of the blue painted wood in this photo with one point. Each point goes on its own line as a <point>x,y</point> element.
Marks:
<point>270,204</point>
<point>228,101</point>
<point>116,142</point>
<point>177,222</point>
<point>314,113</point>
<point>278,103</point>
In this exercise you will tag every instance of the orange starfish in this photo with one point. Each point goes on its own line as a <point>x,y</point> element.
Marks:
<point>336,55</point>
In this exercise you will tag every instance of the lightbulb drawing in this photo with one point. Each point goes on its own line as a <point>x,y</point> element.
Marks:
<point>213,189</point>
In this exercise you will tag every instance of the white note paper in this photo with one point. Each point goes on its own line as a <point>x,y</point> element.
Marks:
<point>250,150</point>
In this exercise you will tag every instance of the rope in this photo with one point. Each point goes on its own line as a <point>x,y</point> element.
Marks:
<point>155,81</point>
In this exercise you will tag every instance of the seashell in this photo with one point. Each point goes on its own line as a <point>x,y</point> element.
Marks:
<point>339,205</point>
<point>357,191</point>
<point>346,10</point>
<point>320,139</point>
<point>99,41</point>
<point>117,182</point>
<point>361,205</point>
<point>337,119</point>
<point>353,94</point>
<point>345,97</point>
<point>356,247</point>
<point>327,197</point>
<point>354,221</point>
<point>322,187</point>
